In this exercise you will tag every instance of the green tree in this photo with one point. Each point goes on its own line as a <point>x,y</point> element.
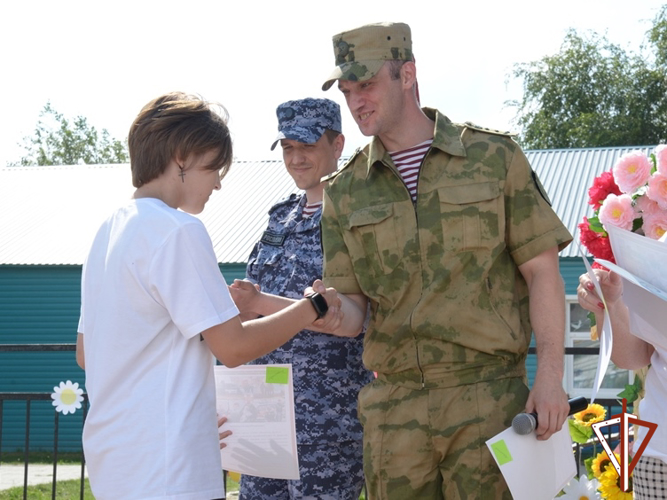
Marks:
<point>59,141</point>
<point>593,93</point>
<point>657,37</point>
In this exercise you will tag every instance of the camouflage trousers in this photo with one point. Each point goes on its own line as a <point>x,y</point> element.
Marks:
<point>329,471</point>
<point>431,443</point>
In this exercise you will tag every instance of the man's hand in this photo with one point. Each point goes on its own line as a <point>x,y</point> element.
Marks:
<point>334,317</point>
<point>318,286</point>
<point>346,317</point>
<point>549,401</point>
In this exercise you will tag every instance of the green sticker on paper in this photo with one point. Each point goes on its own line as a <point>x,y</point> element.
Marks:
<point>501,452</point>
<point>277,375</point>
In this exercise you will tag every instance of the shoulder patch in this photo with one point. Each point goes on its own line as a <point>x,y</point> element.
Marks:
<point>540,187</point>
<point>488,130</point>
<point>349,161</point>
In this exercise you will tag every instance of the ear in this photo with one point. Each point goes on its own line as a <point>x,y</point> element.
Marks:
<point>338,145</point>
<point>178,158</point>
<point>408,74</point>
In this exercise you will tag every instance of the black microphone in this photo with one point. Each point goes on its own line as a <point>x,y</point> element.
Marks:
<point>525,423</point>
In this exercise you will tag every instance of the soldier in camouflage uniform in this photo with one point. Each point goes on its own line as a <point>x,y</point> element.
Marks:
<point>448,271</point>
<point>327,370</point>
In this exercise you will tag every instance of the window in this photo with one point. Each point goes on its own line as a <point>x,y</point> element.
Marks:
<point>580,369</point>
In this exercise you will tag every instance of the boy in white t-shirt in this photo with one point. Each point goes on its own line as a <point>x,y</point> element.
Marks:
<point>154,306</point>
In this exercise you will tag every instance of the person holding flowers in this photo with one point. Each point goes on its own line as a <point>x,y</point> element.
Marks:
<point>633,196</point>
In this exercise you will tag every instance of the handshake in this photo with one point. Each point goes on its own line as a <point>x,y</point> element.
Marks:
<point>252,303</point>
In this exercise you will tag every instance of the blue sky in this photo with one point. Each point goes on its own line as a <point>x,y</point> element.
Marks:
<point>105,60</point>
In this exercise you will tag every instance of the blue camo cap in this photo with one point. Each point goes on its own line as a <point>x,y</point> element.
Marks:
<point>305,120</point>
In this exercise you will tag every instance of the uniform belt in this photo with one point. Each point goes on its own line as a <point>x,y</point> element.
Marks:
<point>438,376</point>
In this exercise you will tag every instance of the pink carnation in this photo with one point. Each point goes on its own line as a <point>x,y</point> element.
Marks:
<point>661,158</point>
<point>645,205</point>
<point>617,211</point>
<point>655,225</point>
<point>657,189</point>
<point>632,171</point>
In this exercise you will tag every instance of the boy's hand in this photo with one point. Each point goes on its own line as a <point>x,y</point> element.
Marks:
<point>245,295</point>
<point>224,434</point>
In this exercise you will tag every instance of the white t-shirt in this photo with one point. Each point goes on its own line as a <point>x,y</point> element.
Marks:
<point>653,407</point>
<point>150,285</point>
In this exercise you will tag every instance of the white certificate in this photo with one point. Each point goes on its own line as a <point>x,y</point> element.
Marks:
<point>258,401</point>
<point>534,470</point>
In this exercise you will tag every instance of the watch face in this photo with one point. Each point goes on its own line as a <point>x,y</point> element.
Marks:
<point>319,303</point>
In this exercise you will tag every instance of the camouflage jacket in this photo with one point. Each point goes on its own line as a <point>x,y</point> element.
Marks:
<point>327,370</point>
<point>448,303</point>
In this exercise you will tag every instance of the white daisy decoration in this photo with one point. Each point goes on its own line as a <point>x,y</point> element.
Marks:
<point>67,397</point>
<point>583,489</point>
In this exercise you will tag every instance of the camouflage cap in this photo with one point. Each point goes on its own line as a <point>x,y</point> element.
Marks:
<point>361,52</point>
<point>305,120</point>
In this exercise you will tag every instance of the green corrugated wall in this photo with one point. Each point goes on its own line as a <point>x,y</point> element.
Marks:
<point>571,268</point>
<point>40,305</point>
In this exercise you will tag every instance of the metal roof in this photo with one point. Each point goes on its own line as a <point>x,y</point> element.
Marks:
<point>49,215</point>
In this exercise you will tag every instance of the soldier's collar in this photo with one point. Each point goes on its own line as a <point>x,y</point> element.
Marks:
<point>446,137</point>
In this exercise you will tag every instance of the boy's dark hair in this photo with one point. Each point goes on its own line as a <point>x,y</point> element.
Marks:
<point>175,126</point>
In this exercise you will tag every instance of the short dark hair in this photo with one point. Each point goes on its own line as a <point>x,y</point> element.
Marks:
<point>394,66</point>
<point>331,135</point>
<point>175,126</point>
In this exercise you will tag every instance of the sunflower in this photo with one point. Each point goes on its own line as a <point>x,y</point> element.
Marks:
<point>601,462</point>
<point>594,413</point>
<point>610,485</point>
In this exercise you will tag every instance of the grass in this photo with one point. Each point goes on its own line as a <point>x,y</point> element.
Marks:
<point>40,457</point>
<point>71,489</point>
<point>64,490</point>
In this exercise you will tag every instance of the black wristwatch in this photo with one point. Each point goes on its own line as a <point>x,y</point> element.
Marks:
<point>319,304</point>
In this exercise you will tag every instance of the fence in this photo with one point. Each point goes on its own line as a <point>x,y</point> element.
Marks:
<point>580,452</point>
<point>28,398</point>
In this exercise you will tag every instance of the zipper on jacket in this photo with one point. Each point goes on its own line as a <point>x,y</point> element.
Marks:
<point>414,206</point>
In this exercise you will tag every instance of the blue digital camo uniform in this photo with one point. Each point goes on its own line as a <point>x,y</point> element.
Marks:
<point>327,370</point>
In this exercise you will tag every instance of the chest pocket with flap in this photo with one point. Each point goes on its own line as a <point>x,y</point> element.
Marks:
<point>374,228</point>
<point>471,216</point>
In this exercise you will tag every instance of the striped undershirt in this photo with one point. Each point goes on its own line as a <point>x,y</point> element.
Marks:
<point>408,162</point>
<point>310,208</point>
